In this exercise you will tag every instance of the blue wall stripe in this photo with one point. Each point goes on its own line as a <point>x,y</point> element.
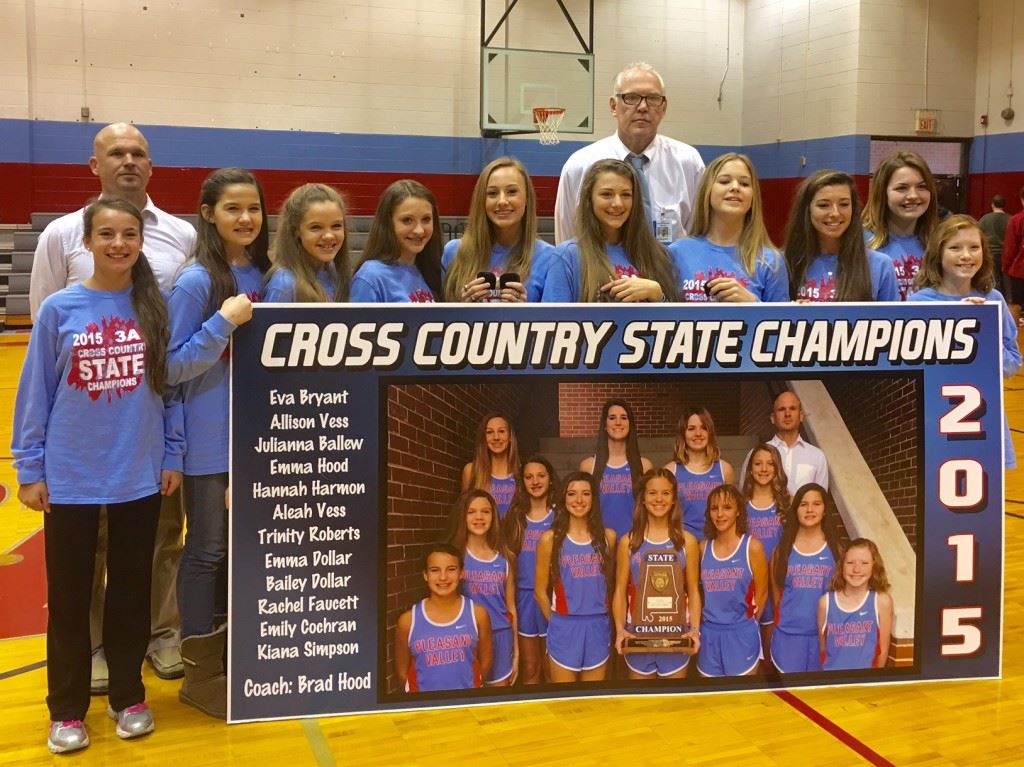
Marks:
<point>999,153</point>
<point>53,142</point>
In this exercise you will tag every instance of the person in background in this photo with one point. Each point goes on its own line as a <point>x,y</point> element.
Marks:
<point>993,224</point>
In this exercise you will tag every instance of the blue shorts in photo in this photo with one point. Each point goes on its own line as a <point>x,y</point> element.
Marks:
<point>501,655</point>
<point>792,653</point>
<point>660,663</point>
<point>532,622</point>
<point>729,650</point>
<point>579,642</point>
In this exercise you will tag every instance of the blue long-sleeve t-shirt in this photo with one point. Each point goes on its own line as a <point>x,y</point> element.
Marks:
<point>533,282</point>
<point>698,261</point>
<point>562,284</point>
<point>280,288</point>
<point>822,279</point>
<point>907,254</point>
<point>379,282</point>
<point>86,420</point>
<point>198,361</point>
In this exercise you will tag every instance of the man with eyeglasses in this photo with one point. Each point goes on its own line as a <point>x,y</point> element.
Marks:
<point>669,170</point>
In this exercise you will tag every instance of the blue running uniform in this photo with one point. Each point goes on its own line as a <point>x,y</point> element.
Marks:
<point>795,640</point>
<point>443,655</point>
<point>531,620</point>
<point>616,496</point>
<point>764,524</point>
<point>851,638</point>
<point>729,635</point>
<point>693,490</point>
<point>483,581</point>
<point>502,489</point>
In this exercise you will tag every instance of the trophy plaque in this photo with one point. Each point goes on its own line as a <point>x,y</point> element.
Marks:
<point>658,619</point>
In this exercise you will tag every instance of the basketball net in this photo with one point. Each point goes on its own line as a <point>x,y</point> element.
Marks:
<point>548,119</point>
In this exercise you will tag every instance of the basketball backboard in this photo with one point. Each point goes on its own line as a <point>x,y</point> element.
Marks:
<point>513,82</point>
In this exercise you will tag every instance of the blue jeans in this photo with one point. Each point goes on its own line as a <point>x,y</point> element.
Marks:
<point>202,585</point>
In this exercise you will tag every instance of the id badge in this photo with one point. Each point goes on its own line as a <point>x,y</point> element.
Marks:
<point>663,228</point>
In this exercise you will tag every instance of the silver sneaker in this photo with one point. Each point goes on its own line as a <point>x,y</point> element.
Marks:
<point>133,722</point>
<point>99,681</point>
<point>67,736</point>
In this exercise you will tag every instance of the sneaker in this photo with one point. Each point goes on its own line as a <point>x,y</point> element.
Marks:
<point>99,683</point>
<point>133,722</point>
<point>167,663</point>
<point>67,736</point>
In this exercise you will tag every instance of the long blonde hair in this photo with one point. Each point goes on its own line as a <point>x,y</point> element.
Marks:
<point>288,253</point>
<point>643,251</point>
<point>474,254</point>
<point>480,473</point>
<point>754,239</point>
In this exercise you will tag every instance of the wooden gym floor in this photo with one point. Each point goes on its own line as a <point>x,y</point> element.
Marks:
<point>948,723</point>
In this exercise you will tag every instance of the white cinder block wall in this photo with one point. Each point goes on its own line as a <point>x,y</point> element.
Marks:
<point>387,66</point>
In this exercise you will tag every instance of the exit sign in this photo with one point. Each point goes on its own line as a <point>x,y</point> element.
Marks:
<point>925,121</point>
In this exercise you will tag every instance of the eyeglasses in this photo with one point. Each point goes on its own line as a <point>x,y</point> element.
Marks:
<point>654,100</point>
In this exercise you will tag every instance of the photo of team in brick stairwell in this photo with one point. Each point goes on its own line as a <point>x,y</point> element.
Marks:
<point>639,233</point>
<point>772,583</point>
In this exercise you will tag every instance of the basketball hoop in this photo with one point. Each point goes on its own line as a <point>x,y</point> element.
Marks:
<point>547,120</point>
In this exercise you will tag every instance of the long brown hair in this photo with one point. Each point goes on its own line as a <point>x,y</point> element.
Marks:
<point>675,515</point>
<point>595,526</point>
<point>780,482</point>
<point>643,251</point>
<point>474,253</point>
<point>802,246</point>
<point>209,248</point>
<point>876,211</point>
<point>791,526</point>
<point>381,244</point>
<point>633,457</point>
<point>458,530</point>
<point>754,239</point>
<point>289,254</point>
<point>682,455</point>
<point>514,524</point>
<point>147,300</point>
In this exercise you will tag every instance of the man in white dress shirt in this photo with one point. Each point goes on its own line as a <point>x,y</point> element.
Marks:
<point>802,461</point>
<point>121,162</point>
<point>670,170</point>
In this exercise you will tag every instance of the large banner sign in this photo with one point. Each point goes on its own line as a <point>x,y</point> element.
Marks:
<point>355,428</point>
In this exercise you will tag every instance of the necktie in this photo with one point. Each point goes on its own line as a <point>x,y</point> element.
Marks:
<point>639,163</point>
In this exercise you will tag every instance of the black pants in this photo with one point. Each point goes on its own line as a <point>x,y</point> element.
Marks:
<point>70,533</point>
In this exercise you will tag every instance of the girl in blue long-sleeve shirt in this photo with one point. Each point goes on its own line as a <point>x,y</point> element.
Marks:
<point>729,256</point>
<point>211,297</point>
<point>93,427</point>
<point>825,253</point>
<point>958,267</point>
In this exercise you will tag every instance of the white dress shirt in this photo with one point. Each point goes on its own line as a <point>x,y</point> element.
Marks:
<point>673,173</point>
<point>803,463</point>
<point>61,258</point>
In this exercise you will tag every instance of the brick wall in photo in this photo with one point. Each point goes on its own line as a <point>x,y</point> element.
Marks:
<point>881,414</point>
<point>657,406</point>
